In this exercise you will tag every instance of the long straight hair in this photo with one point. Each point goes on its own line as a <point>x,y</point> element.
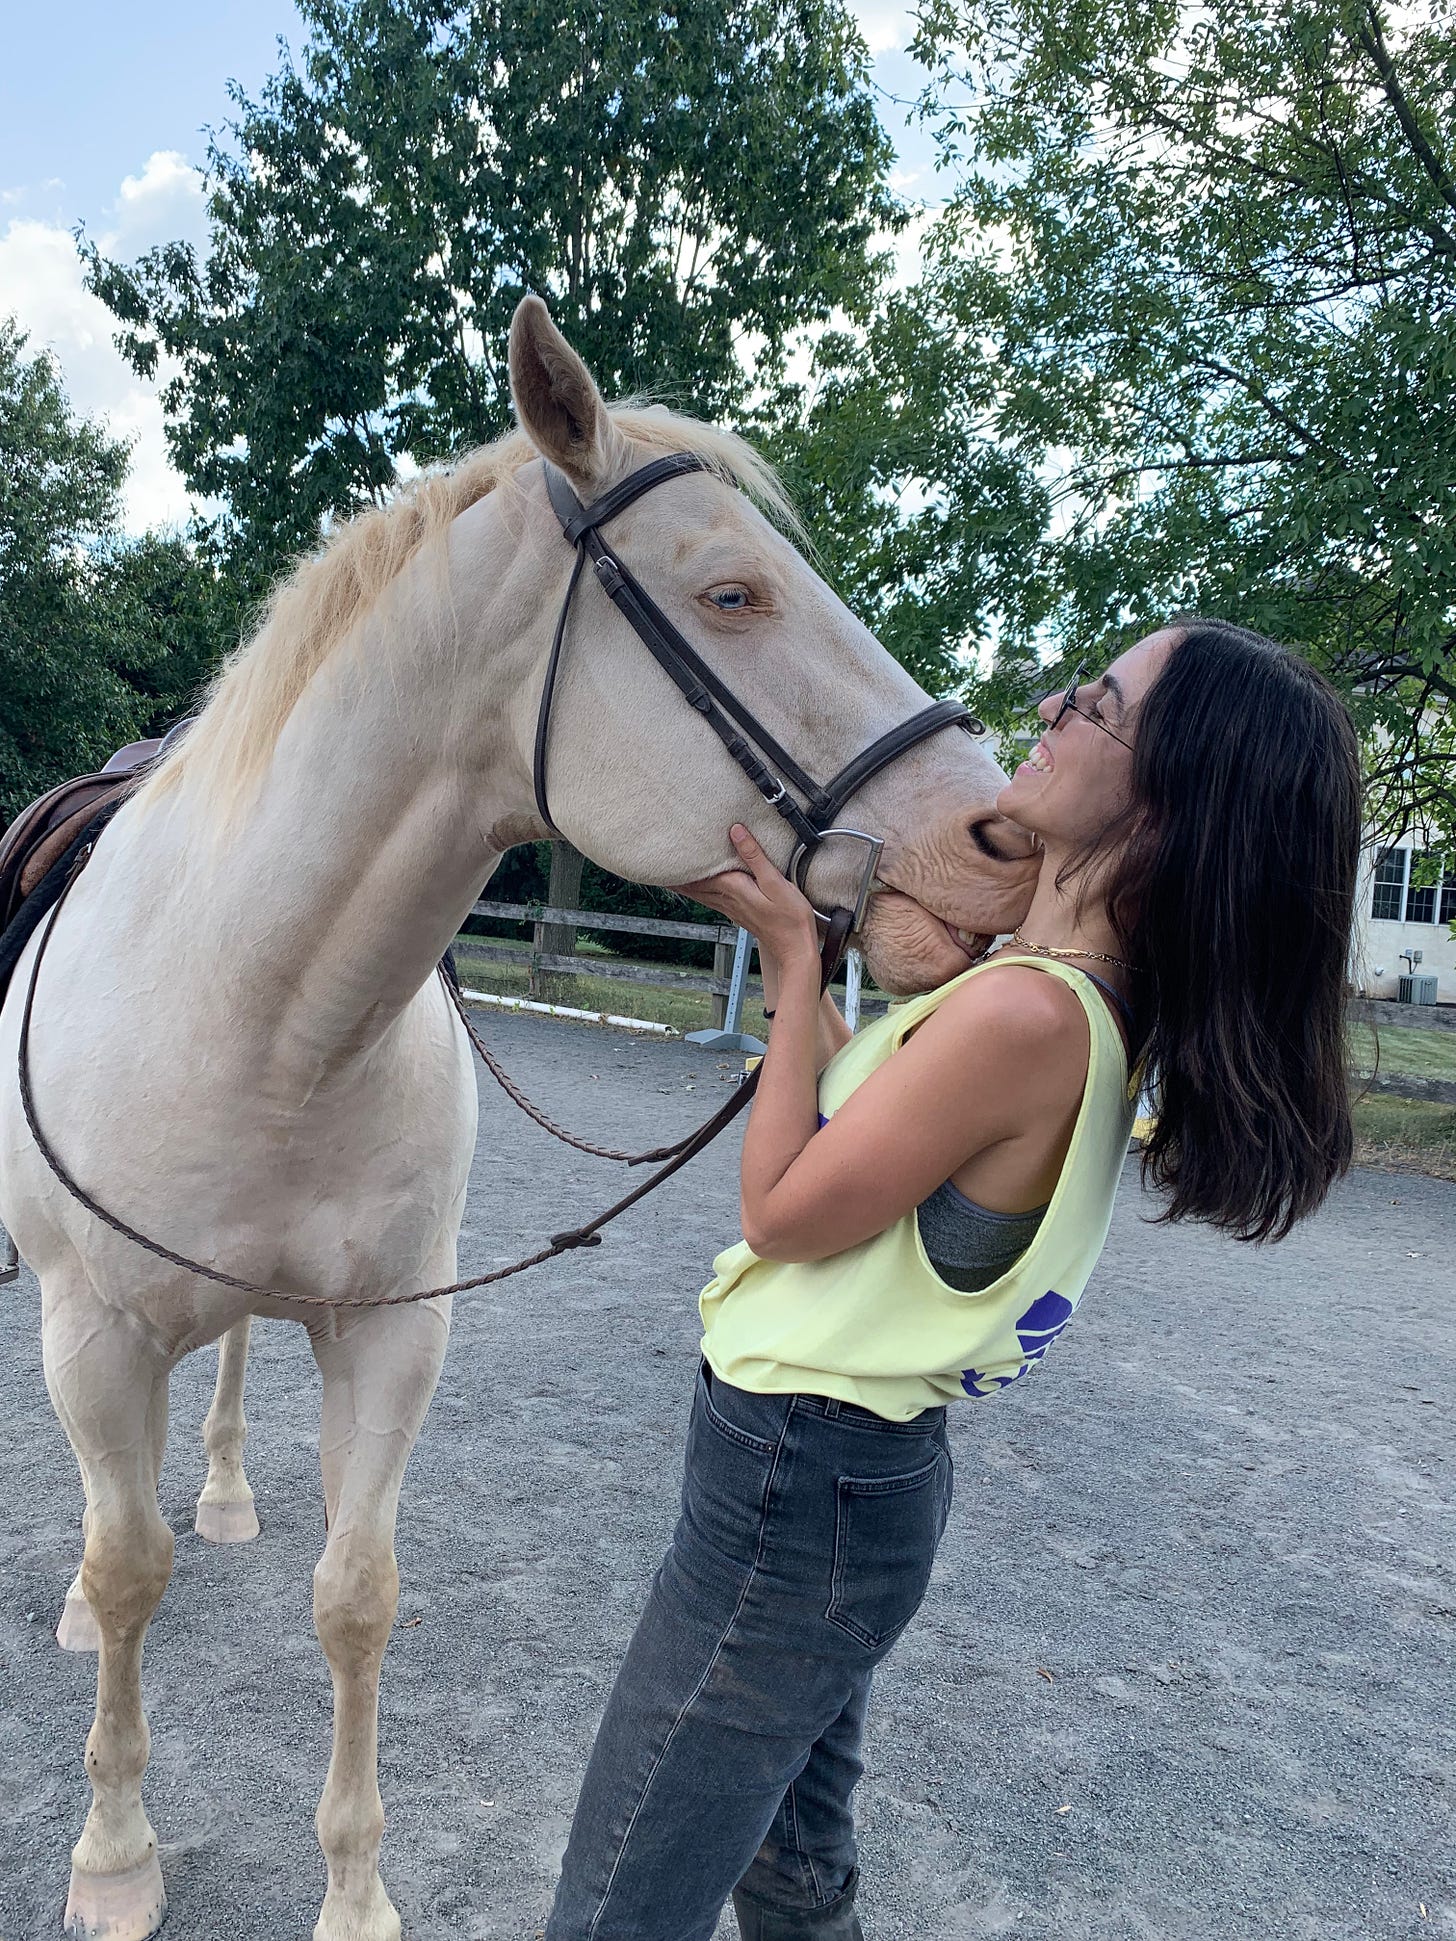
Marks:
<point>1232,887</point>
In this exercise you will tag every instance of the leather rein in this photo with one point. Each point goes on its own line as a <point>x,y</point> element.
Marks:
<point>766,763</point>
<point>586,1235</point>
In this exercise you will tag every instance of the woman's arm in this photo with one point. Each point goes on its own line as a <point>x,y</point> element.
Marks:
<point>1003,1057</point>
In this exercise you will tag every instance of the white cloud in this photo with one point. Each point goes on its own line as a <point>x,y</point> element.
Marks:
<point>162,204</point>
<point>41,286</point>
<point>909,248</point>
<point>886,29</point>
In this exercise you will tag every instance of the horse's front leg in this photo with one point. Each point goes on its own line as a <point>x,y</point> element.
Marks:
<point>109,1388</point>
<point>77,1630</point>
<point>225,1511</point>
<point>379,1370</point>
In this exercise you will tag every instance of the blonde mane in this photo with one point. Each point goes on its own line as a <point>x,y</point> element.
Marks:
<point>328,592</point>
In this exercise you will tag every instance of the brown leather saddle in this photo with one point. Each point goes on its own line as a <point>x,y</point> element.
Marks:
<point>40,835</point>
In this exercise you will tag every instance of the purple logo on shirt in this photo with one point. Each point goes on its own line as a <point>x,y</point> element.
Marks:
<point>1037,1329</point>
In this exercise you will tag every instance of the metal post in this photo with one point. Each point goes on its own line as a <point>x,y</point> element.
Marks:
<point>853,972</point>
<point>732,1037</point>
<point>742,952</point>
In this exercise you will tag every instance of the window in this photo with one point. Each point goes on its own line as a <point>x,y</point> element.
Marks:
<point>1413,888</point>
<point>1420,898</point>
<point>1391,871</point>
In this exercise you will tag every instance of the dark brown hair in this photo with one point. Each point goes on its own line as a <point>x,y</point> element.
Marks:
<point>1234,892</point>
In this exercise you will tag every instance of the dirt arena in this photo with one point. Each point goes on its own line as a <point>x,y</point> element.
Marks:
<point>1185,1672</point>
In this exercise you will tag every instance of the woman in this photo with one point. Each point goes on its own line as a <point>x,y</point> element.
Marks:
<point>920,1222</point>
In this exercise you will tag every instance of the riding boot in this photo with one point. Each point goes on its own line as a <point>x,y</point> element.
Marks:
<point>762,1921</point>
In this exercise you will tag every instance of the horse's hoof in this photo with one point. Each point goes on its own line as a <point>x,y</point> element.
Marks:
<point>341,1920</point>
<point>117,1907</point>
<point>227,1522</point>
<point>77,1630</point>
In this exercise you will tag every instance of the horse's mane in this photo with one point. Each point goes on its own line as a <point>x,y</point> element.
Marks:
<point>326,593</point>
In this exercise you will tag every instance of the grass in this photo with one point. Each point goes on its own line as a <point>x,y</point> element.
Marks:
<point>658,1003</point>
<point>1406,1135</point>
<point>1402,1048</point>
<point>1399,1134</point>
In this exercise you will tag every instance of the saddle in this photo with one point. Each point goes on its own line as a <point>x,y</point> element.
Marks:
<point>42,833</point>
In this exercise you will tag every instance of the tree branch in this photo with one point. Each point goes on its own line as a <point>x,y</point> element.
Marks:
<point>1372,39</point>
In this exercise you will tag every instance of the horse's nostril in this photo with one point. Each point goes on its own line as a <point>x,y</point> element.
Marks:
<point>1002,840</point>
<point>980,836</point>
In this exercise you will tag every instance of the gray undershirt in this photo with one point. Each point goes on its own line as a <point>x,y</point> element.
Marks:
<point>969,1245</point>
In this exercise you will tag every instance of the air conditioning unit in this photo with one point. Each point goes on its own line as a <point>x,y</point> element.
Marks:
<point>1416,990</point>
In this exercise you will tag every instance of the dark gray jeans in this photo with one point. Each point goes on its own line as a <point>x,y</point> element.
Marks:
<point>730,1744</point>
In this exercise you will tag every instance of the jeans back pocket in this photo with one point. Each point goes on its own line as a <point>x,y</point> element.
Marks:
<point>887,1530</point>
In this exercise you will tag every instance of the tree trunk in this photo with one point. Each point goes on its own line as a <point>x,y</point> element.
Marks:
<point>722,967</point>
<point>563,892</point>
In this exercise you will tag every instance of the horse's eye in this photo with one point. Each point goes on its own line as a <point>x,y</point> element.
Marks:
<point>730,599</point>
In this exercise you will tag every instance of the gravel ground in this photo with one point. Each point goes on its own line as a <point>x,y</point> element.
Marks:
<point>1185,1669</point>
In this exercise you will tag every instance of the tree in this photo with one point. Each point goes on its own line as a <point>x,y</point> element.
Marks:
<point>687,186</point>
<point>100,641</point>
<point>920,518</point>
<point>1196,285</point>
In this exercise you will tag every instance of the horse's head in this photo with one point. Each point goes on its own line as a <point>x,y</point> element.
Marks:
<point>638,780</point>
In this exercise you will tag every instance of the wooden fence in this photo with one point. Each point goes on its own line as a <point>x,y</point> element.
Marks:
<point>722,936</point>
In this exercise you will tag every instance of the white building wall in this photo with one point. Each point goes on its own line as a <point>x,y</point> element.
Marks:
<point>1377,962</point>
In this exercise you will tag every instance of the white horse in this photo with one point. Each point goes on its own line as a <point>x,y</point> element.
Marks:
<point>239,1045</point>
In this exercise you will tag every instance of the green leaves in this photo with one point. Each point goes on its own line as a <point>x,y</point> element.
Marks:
<point>1185,338</point>
<point>100,642</point>
<point>686,186</point>
<point>1201,271</point>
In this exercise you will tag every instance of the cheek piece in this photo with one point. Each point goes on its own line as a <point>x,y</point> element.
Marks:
<point>768,765</point>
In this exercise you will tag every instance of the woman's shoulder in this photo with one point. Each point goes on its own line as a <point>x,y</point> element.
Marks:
<point>1014,1022</point>
<point>1019,998</point>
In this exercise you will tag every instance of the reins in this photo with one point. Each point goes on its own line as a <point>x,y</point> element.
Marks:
<point>450,978</point>
<point>586,1235</point>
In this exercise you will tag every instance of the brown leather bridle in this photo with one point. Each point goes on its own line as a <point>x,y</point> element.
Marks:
<point>763,759</point>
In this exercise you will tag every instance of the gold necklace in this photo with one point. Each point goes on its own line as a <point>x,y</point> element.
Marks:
<point>1051,950</point>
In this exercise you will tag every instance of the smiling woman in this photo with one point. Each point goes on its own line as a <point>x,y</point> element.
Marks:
<point>922,1208</point>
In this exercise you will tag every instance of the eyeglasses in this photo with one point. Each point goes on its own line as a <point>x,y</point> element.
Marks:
<point>1069,706</point>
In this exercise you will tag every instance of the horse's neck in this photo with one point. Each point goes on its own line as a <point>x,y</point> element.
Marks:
<point>377,823</point>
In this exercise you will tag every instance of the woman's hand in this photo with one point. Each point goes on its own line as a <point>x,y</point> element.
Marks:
<point>763,901</point>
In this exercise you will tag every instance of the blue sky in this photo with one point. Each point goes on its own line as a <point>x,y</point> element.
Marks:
<point>103,113</point>
<point>88,92</point>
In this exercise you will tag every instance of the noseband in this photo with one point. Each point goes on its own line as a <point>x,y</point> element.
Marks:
<point>767,764</point>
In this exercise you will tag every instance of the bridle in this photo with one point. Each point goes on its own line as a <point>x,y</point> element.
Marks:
<point>763,759</point>
<point>768,765</point>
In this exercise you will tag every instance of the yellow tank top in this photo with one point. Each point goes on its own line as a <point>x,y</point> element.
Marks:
<point>876,1324</point>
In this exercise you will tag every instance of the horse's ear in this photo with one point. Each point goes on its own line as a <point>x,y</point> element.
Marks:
<point>557,401</point>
